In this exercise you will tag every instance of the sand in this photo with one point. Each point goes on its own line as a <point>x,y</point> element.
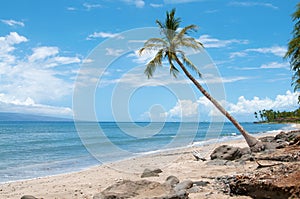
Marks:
<point>86,183</point>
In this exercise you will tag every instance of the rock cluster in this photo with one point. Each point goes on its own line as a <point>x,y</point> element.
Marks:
<point>279,178</point>
<point>281,140</point>
<point>172,188</point>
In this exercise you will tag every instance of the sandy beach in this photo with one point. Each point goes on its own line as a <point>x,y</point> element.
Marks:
<point>87,183</point>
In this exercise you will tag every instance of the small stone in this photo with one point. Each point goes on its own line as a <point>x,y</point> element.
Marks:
<point>194,189</point>
<point>183,185</point>
<point>28,197</point>
<point>172,181</point>
<point>151,173</point>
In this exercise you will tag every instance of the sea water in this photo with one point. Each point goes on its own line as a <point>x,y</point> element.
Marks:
<point>36,149</point>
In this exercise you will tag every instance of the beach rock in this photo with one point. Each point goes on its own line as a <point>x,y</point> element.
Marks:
<point>287,136</point>
<point>179,195</point>
<point>201,183</point>
<point>183,185</point>
<point>129,189</point>
<point>296,141</point>
<point>28,197</point>
<point>198,156</point>
<point>194,189</point>
<point>172,181</point>
<point>151,173</point>
<point>226,152</point>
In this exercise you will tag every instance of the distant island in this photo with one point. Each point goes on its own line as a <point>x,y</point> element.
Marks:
<point>271,116</point>
<point>10,117</point>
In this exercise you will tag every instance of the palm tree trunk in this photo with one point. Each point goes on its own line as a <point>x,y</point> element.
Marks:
<point>254,144</point>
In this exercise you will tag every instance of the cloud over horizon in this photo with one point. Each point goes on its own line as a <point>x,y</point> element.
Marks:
<point>243,109</point>
<point>29,81</point>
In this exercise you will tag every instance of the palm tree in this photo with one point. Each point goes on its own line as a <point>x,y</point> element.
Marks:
<point>294,50</point>
<point>169,47</point>
<point>255,115</point>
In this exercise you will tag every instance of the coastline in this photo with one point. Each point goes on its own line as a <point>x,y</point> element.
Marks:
<point>86,183</point>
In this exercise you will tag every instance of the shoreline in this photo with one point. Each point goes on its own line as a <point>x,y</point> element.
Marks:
<point>89,181</point>
<point>211,143</point>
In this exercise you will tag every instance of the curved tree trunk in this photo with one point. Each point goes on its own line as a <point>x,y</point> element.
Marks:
<point>254,144</point>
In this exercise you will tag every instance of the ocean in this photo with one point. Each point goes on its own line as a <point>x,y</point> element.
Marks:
<point>36,149</point>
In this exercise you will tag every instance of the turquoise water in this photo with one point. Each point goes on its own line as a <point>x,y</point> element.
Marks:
<point>36,149</point>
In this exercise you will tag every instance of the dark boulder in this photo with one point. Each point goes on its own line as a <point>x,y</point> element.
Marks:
<point>226,152</point>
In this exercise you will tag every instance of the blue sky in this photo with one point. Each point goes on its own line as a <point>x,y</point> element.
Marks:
<point>44,45</point>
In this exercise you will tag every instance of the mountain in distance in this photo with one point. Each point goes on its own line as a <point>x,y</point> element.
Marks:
<point>6,116</point>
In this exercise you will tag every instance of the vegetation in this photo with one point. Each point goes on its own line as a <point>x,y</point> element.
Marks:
<point>265,116</point>
<point>169,47</point>
<point>294,50</point>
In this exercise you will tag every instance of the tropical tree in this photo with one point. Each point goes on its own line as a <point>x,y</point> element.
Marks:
<point>169,47</point>
<point>294,50</point>
<point>255,115</point>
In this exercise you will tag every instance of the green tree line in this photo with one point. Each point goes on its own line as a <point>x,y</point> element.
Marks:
<point>277,116</point>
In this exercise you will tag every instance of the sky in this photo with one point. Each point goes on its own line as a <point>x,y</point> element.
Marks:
<point>62,57</point>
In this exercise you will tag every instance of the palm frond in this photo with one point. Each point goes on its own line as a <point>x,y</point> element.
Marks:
<point>160,24</point>
<point>153,44</point>
<point>155,41</point>
<point>171,22</point>
<point>185,31</point>
<point>190,42</point>
<point>173,70</point>
<point>190,64</point>
<point>156,61</point>
<point>296,80</point>
<point>150,47</point>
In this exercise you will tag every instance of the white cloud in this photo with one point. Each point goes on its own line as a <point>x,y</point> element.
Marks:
<point>237,54</point>
<point>49,56</point>
<point>90,6</point>
<point>144,58</point>
<point>137,3</point>
<point>136,78</point>
<point>276,50</point>
<point>87,61</point>
<point>103,35</point>
<point>12,22</point>
<point>252,4</point>
<point>184,108</point>
<point>27,83</point>
<point>11,104</point>
<point>43,52</point>
<point>154,5</point>
<point>243,108</point>
<point>114,52</point>
<point>210,42</point>
<point>7,47</point>
<point>71,8</point>
<point>289,101</point>
<point>7,42</point>
<point>275,65</point>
